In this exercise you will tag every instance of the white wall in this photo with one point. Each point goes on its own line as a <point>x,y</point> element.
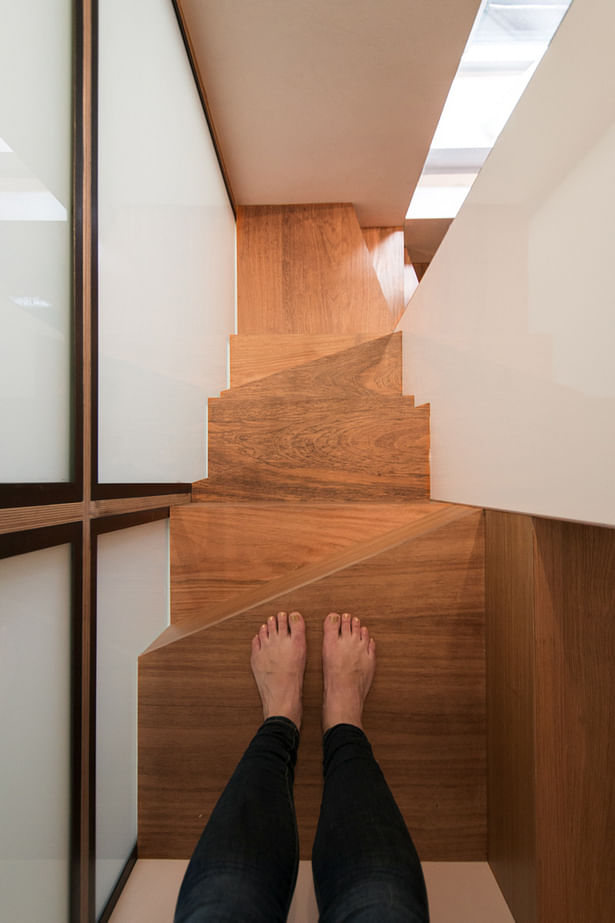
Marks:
<point>167,251</point>
<point>511,334</point>
<point>132,609</point>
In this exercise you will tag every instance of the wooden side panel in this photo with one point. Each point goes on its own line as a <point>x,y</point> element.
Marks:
<point>509,572</point>
<point>575,721</point>
<point>306,269</point>
<point>254,357</point>
<point>220,550</point>
<point>424,602</point>
<point>374,367</point>
<point>386,247</point>
<point>364,448</point>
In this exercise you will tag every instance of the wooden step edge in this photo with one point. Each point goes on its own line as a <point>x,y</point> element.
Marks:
<point>362,551</point>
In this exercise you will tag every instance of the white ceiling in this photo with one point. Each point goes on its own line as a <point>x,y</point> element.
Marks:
<point>327,100</point>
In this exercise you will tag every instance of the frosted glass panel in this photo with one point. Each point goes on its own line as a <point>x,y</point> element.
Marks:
<point>35,710</point>
<point>35,240</point>
<point>167,252</point>
<point>132,610</point>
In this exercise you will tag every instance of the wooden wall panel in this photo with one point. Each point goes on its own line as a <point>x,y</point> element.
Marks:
<point>509,567</point>
<point>424,601</point>
<point>575,721</point>
<point>306,269</point>
<point>386,247</point>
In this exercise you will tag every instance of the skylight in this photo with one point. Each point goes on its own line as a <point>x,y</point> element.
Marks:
<point>505,46</point>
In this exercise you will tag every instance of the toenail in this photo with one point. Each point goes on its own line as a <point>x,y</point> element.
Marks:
<point>346,616</point>
<point>263,627</point>
<point>294,617</point>
<point>272,618</point>
<point>334,617</point>
<point>280,614</point>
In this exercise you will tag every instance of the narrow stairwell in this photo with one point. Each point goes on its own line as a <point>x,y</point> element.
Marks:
<point>318,499</point>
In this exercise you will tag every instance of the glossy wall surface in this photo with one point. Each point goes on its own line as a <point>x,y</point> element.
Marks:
<point>166,251</point>
<point>35,729</point>
<point>132,609</point>
<point>511,333</point>
<point>35,240</point>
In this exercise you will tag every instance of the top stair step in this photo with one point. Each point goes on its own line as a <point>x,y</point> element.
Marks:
<point>373,367</point>
<point>306,269</point>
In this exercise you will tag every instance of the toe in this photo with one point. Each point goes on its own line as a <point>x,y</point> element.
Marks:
<point>356,626</point>
<point>283,623</point>
<point>263,634</point>
<point>332,624</point>
<point>296,624</point>
<point>346,619</point>
<point>272,626</point>
<point>364,634</point>
<point>256,644</point>
<point>371,650</point>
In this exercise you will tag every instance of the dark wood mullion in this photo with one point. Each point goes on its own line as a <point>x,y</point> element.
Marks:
<point>204,103</point>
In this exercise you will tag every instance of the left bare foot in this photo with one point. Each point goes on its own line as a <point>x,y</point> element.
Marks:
<point>278,664</point>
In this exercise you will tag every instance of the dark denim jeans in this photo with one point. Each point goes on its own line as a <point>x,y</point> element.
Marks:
<point>364,863</point>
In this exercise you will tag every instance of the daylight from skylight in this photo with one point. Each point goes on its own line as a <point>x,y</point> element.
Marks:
<point>506,44</point>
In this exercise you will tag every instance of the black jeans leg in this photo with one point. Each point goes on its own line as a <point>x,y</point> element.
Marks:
<point>364,862</point>
<point>244,867</point>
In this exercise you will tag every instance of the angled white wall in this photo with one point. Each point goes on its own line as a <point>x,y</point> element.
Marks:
<point>166,250</point>
<point>511,334</point>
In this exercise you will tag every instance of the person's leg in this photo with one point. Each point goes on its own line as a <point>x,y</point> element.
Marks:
<point>364,862</point>
<point>245,864</point>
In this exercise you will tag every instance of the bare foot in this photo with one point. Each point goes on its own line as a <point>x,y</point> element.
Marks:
<point>348,665</point>
<point>278,664</point>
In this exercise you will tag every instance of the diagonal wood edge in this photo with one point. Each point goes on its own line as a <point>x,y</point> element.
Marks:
<point>362,358</point>
<point>444,515</point>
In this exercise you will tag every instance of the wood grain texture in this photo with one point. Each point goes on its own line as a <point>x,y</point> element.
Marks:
<point>21,518</point>
<point>374,367</point>
<point>306,269</point>
<point>220,550</point>
<point>423,600</point>
<point>432,519</point>
<point>575,721</point>
<point>254,357</point>
<point>386,248</point>
<point>368,448</point>
<point>509,573</point>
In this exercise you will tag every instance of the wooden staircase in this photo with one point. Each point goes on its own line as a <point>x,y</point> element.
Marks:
<point>318,499</point>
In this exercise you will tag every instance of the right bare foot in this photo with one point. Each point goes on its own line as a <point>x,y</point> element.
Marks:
<point>348,665</point>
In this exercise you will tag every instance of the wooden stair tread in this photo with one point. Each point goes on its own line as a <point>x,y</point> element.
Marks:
<point>254,356</point>
<point>371,447</point>
<point>220,550</point>
<point>428,518</point>
<point>372,367</point>
<point>423,600</point>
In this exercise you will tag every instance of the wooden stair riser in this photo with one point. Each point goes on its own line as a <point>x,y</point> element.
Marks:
<point>423,602</point>
<point>253,357</point>
<point>376,448</point>
<point>222,550</point>
<point>374,367</point>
